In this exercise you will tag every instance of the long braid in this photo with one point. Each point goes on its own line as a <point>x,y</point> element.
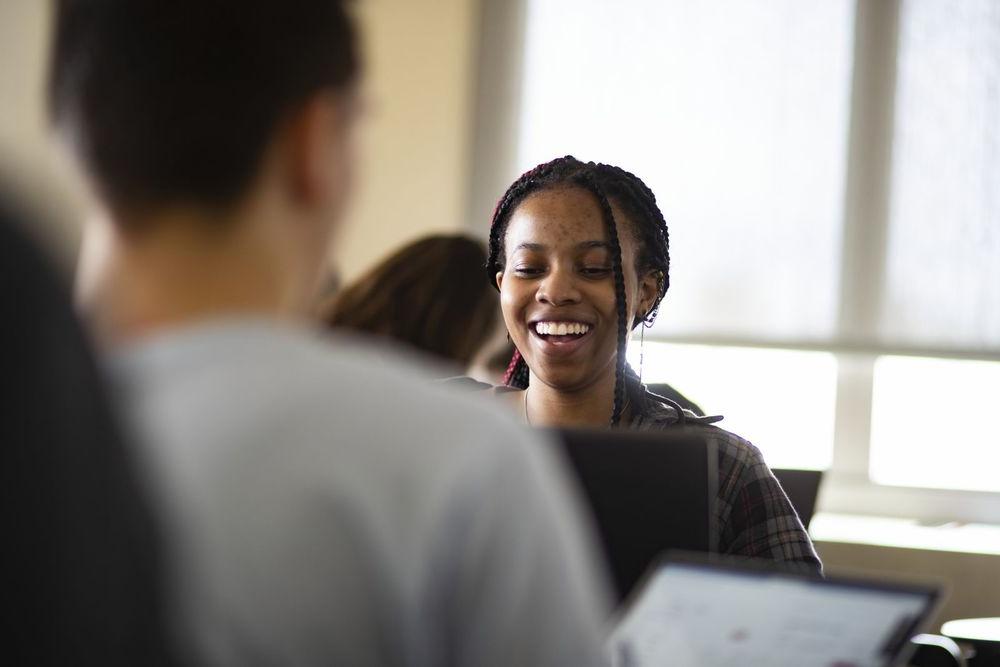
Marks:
<point>508,375</point>
<point>655,238</point>
<point>588,181</point>
<point>607,183</point>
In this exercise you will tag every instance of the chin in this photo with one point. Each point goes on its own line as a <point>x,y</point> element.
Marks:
<point>567,380</point>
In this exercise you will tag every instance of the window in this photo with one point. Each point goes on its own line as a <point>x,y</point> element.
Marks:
<point>942,283</point>
<point>781,400</point>
<point>736,115</point>
<point>934,423</point>
<point>829,173</point>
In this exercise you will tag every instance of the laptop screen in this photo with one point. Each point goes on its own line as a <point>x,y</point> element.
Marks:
<point>690,614</point>
<point>647,492</point>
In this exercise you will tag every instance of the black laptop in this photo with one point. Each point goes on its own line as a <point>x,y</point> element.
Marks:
<point>802,488</point>
<point>649,492</point>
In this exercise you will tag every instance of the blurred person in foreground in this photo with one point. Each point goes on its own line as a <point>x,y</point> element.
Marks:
<point>83,578</point>
<point>323,509</point>
<point>429,296</point>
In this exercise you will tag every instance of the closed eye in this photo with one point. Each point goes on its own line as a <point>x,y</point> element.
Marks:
<point>527,271</point>
<point>595,271</point>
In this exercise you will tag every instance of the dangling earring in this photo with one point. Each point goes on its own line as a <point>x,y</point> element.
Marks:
<point>642,349</point>
<point>645,324</point>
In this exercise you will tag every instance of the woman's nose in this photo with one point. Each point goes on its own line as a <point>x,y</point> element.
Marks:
<point>558,288</point>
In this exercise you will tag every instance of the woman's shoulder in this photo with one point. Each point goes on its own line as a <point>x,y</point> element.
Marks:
<point>470,384</point>
<point>737,455</point>
<point>464,382</point>
<point>655,412</point>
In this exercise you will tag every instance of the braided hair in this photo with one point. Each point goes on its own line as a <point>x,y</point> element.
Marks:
<point>608,184</point>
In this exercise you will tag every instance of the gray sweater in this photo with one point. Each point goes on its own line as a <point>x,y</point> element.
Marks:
<point>325,509</point>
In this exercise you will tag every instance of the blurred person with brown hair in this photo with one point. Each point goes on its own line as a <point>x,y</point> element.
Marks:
<point>322,508</point>
<point>428,295</point>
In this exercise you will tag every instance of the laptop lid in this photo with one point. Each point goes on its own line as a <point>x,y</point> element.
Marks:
<point>701,611</point>
<point>648,492</point>
<point>802,488</point>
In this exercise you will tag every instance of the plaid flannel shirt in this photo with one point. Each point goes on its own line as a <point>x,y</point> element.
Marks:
<point>754,517</point>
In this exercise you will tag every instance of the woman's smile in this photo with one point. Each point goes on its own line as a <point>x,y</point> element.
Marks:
<point>559,337</point>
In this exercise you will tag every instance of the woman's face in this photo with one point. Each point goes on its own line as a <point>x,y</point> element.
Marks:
<point>557,290</point>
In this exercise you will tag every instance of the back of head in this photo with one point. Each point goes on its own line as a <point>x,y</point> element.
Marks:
<point>86,582</point>
<point>428,294</point>
<point>175,102</point>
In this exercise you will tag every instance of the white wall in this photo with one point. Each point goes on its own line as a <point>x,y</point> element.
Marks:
<point>416,147</point>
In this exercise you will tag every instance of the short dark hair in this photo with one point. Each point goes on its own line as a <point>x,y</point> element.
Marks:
<point>169,101</point>
<point>607,183</point>
<point>428,294</point>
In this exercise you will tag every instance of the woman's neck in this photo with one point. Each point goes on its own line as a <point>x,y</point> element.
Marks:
<point>591,406</point>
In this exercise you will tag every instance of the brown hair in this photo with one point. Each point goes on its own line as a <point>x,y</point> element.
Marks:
<point>428,294</point>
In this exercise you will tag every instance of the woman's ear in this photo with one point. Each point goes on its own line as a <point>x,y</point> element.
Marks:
<point>499,279</point>
<point>649,290</point>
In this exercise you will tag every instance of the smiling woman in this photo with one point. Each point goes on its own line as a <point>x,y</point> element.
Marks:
<point>560,294</point>
<point>558,259</point>
<point>580,254</point>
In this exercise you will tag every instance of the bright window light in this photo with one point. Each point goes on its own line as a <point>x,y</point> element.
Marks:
<point>735,113</point>
<point>934,423</point>
<point>942,283</point>
<point>781,400</point>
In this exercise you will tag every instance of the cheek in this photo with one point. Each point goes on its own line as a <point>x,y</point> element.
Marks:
<point>512,302</point>
<point>603,298</point>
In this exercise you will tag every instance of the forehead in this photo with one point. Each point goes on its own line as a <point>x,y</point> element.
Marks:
<point>563,217</point>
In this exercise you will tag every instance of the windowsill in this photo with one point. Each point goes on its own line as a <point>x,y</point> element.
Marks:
<point>974,538</point>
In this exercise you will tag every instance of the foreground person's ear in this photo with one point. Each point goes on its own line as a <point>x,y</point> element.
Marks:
<point>308,138</point>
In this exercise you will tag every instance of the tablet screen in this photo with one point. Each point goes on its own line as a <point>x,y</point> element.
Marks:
<point>698,615</point>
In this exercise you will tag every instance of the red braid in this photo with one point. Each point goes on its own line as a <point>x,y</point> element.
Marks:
<point>512,367</point>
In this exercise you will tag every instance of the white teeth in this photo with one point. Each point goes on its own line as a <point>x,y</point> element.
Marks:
<point>561,328</point>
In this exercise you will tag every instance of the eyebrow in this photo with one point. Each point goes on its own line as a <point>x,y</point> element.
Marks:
<point>585,245</point>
